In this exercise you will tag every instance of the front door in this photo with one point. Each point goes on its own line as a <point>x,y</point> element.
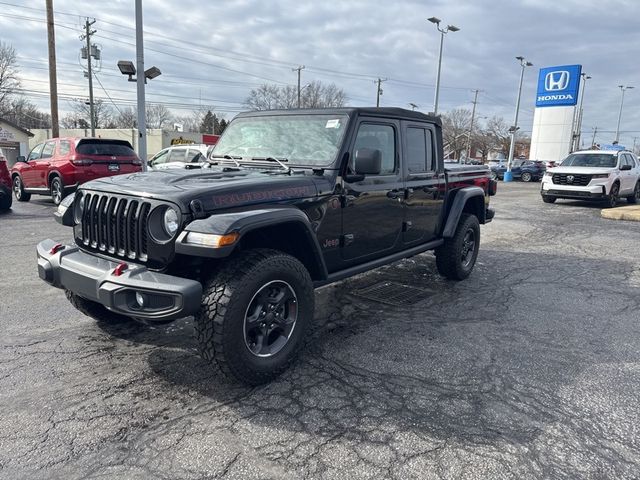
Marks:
<point>424,185</point>
<point>372,209</point>
<point>28,171</point>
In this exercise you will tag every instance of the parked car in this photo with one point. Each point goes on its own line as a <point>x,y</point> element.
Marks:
<point>299,199</point>
<point>57,166</point>
<point>5,184</point>
<point>525,170</point>
<point>594,175</point>
<point>181,156</point>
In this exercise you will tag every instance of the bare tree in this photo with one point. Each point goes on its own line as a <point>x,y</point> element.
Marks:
<point>455,130</point>
<point>483,142</point>
<point>26,114</point>
<point>102,112</point>
<point>73,120</point>
<point>126,118</point>
<point>314,95</point>
<point>9,80</point>
<point>158,116</point>
<point>499,132</point>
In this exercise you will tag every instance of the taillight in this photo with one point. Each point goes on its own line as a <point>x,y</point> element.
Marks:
<point>137,161</point>
<point>81,161</point>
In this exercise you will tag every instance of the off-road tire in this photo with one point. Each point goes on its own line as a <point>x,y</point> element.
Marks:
<point>5,202</point>
<point>526,177</point>
<point>18,190</point>
<point>220,323</point>
<point>493,175</point>
<point>636,194</point>
<point>548,199</point>
<point>612,198</point>
<point>57,190</point>
<point>449,256</point>
<point>95,310</point>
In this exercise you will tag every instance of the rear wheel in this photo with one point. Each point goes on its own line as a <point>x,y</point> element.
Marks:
<point>636,194</point>
<point>255,315</point>
<point>494,175</point>
<point>525,177</point>
<point>18,190</point>
<point>548,199</point>
<point>612,199</point>
<point>57,190</point>
<point>456,258</point>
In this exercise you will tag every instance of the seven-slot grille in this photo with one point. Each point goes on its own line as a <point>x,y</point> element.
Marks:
<point>571,179</point>
<point>116,225</point>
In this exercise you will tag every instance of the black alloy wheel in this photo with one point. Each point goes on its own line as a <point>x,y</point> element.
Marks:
<point>468,247</point>
<point>270,318</point>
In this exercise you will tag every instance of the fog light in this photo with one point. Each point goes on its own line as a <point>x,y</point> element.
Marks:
<point>140,299</point>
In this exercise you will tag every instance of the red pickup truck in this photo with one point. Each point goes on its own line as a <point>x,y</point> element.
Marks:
<point>57,166</point>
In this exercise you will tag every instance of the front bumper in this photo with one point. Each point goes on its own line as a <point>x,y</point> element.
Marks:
<point>166,297</point>
<point>589,192</point>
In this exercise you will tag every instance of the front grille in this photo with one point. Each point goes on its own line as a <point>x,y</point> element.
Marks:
<point>115,225</point>
<point>571,179</point>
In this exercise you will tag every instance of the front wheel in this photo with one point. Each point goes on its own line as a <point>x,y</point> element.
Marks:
<point>612,199</point>
<point>18,190</point>
<point>636,194</point>
<point>255,315</point>
<point>525,177</point>
<point>456,258</point>
<point>493,175</point>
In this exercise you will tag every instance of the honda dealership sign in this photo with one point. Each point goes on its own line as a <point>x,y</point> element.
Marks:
<point>558,86</point>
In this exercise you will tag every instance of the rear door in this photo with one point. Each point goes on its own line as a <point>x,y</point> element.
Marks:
<point>372,209</point>
<point>423,182</point>
<point>43,165</point>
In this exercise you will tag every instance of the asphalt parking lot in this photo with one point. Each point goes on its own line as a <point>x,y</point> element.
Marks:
<point>528,369</point>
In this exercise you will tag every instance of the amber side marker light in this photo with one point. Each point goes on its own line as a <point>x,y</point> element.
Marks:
<point>211,240</point>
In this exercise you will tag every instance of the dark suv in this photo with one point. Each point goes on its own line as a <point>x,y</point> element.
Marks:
<point>57,166</point>
<point>525,170</point>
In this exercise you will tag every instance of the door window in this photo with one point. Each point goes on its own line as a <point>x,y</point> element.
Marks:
<point>194,156</point>
<point>177,155</point>
<point>378,137</point>
<point>160,158</point>
<point>47,151</point>
<point>64,148</point>
<point>419,156</point>
<point>36,152</point>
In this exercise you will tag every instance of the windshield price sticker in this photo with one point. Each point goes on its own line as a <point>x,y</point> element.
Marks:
<point>333,123</point>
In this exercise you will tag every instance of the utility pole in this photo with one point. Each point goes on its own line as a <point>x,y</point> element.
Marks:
<point>473,116</point>
<point>379,92</point>
<point>593,140</point>
<point>299,70</point>
<point>140,80</point>
<point>53,82</point>
<point>87,36</point>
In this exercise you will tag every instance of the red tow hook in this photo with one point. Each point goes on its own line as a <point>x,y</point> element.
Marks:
<point>119,270</point>
<point>56,248</point>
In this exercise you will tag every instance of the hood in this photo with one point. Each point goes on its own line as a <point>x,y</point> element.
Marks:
<point>580,170</point>
<point>215,187</point>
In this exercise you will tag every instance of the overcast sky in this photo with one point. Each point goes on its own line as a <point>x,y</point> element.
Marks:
<point>212,53</point>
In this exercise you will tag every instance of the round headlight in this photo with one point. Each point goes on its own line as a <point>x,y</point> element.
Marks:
<point>170,221</point>
<point>78,208</point>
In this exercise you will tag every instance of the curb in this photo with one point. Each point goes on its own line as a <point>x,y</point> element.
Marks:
<point>629,213</point>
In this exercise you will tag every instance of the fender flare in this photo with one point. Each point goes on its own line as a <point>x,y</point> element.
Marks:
<point>460,199</point>
<point>243,223</point>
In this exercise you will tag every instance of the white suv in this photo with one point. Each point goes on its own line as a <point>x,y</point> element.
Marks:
<point>181,156</point>
<point>594,175</point>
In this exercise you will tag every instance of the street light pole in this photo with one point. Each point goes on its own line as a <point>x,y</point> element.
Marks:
<point>142,121</point>
<point>508,176</point>
<point>622,88</point>
<point>443,31</point>
<point>578,133</point>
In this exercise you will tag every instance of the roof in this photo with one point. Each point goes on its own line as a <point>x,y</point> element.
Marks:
<point>386,112</point>
<point>17,127</point>
<point>610,152</point>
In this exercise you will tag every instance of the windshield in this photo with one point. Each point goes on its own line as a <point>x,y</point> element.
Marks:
<point>603,160</point>
<point>299,139</point>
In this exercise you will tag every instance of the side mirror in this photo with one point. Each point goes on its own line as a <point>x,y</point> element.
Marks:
<point>368,161</point>
<point>625,167</point>
<point>21,158</point>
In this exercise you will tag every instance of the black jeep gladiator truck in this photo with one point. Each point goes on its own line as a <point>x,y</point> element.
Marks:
<point>291,200</point>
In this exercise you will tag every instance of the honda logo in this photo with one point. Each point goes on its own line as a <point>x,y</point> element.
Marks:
<point>570,178</point>
<point>558,80</point>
